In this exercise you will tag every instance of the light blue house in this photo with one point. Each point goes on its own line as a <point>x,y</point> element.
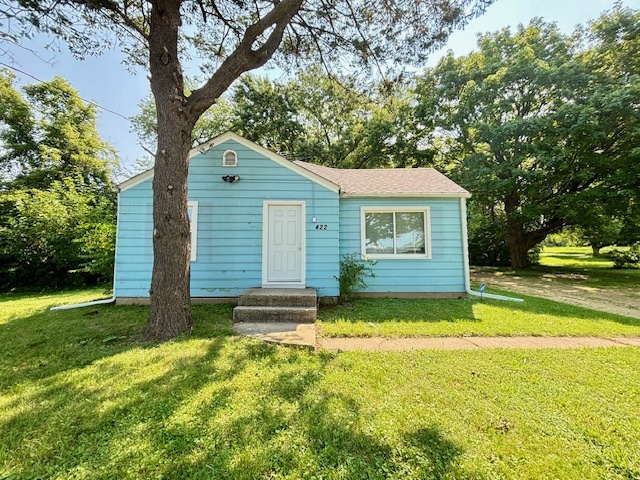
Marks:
<point>260,220</point>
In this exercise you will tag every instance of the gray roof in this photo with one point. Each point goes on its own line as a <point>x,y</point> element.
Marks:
<point>401,182</point>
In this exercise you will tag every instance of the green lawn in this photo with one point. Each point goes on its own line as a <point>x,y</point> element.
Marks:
<point>573,257</point>
<point>470,317</point>
<point>473,317</point>
<point>81,398</point>
<point>577,264</point>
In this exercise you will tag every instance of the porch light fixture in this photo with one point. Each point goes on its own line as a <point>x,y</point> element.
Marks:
<point>231,178</point>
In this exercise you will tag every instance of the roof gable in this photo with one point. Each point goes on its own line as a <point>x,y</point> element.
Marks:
<point>230,136</point>
<point>389,182</point>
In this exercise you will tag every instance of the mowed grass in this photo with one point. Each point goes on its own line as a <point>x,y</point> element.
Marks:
<point>571,265</point>
<point>470,317</point>
<point>574,257</point>
<point>22,304</point>
<point>475,317</point>
<point>80,397</point>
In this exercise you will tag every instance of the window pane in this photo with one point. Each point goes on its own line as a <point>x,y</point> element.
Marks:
<point>379,232</point>
<point>410,232</point>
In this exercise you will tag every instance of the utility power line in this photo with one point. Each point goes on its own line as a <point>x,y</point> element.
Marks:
<point>83,99</point>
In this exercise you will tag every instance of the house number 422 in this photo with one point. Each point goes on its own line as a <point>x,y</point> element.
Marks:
<point>321,226</point>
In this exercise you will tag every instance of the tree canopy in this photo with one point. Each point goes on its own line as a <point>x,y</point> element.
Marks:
<point>57,207</point>
<point>333,120</point>
<point>539,126</point>
<point>48,133</point>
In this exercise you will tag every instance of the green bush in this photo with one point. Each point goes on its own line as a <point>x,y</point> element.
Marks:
<point>97,250</point>
<point>625,258</point>
<point>60,236</point>
<point>487,241</point>
<point>353,270</point>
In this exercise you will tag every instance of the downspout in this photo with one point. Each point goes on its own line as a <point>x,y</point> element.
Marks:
<point>465,253</point>
<point>86,304</point>
<point>113,297</point>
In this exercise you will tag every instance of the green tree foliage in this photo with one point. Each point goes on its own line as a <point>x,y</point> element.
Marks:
<point>219,118</point>
<point>537,126</point>
<point>49,134</point>
<point>57,207</point>
<point>267,112</point>
<point>599,228</point>
<point>329,120</point>
<point>486,226</point>
<point>48,235</point>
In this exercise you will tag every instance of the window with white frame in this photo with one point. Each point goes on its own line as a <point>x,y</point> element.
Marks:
<point>396,232</point>
<point>192,211</point>
<point>230,159</point>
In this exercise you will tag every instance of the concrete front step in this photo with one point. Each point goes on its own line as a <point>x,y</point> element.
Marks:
<point>286,333</point>
<point>278,297</point>
<point>256,314</point>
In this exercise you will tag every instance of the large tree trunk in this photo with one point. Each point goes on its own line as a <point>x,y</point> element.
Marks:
<point>170,281</point>
<point>595,249</point>
<point>518,246</point>
<point>170,313</point>
<point>516,236</point>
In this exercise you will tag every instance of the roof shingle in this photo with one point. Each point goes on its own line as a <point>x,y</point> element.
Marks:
<point>404,182</point>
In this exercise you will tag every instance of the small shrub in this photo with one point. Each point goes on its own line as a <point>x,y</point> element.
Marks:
<point>533,255</point>
<point>487,240</point>
<point>353,270</point>
<point>625,258</point>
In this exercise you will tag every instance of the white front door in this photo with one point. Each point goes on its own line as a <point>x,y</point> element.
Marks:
<point>283,244</point>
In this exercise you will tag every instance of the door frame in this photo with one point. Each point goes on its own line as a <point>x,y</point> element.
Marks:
<point>265,244</point>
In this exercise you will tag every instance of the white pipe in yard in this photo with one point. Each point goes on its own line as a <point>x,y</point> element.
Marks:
<point>107,300</point>
<point>86,304</point>
<point>465,251</point>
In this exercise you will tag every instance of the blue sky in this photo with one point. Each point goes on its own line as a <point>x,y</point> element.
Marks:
<point>107,81</point>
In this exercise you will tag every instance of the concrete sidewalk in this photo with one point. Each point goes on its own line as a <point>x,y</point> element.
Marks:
<point>470,343</point>
<point>305,334</point>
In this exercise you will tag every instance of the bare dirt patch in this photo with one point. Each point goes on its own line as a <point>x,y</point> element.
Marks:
<point>567,288</point>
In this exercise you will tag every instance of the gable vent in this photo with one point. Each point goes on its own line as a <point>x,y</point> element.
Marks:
<point>230,159</point>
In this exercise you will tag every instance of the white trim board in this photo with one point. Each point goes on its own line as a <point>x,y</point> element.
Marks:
<point>406,195</point>
<point>193,224</point>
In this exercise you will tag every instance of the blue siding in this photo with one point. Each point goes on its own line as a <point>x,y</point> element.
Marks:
<point>444,272</point>
<point>229,256</point>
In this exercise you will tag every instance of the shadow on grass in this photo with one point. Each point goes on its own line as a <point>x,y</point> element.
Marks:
<point>49,342</point>
<point>598,274</point>
<point>381,310</point>
<point>459,310</point>
<point>206,406</point>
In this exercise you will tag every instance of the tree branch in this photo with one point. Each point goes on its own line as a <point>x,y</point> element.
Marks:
<point>114,8</point>
<point>244,57</point>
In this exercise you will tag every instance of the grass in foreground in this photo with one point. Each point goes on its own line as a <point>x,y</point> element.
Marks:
<point>470,317</point>
<point>87,401</point>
